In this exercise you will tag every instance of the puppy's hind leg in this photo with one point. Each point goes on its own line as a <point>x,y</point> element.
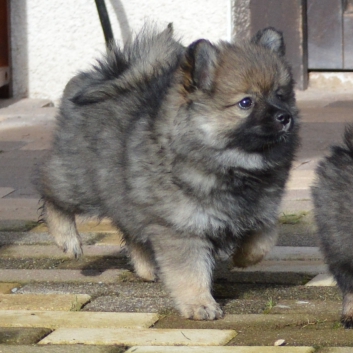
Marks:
<point>62,227</point>
<point>141,256</point>
<point>254,247</point>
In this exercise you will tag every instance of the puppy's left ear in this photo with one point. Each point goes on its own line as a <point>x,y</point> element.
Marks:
<point>201,63</point>
<point>272,39</point>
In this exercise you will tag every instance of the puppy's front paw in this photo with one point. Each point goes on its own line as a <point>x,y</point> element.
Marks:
<point>146,272</point>
<point>72,247</point>
<point>205,311</point>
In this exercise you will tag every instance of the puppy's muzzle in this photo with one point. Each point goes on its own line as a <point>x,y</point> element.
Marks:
<point>284,121</point>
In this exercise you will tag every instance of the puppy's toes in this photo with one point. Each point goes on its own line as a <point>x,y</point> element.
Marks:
<point>73,248</point>
<point>145,270</point>
<point>210,311</point>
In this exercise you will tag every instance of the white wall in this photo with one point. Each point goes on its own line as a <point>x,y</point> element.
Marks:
<point>52,39</point>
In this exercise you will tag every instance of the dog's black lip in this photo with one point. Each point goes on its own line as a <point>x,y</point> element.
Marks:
<point>265,141</point>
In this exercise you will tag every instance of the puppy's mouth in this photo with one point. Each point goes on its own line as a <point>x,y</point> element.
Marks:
<point>256,135</point>
<point>275,128</point>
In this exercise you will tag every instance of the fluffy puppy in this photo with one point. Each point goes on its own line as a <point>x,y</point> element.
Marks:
<point>186,150</point>
<point>333,201</point>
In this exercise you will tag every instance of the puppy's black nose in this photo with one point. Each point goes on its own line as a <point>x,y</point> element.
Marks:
<point>283,118</point>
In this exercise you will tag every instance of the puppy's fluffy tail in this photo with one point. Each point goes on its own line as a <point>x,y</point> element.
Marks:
<point>348,137</point>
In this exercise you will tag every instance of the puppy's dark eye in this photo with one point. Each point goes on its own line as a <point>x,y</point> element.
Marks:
<point>280,95</point>
<point>245,103</point>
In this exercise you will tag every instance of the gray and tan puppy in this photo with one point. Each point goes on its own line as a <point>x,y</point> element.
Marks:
<point>333,201</point>
<point>186,150</point>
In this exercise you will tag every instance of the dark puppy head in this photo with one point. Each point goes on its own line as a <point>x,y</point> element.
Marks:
<point>240,95</point>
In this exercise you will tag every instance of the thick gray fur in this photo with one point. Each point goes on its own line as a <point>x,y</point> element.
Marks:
<point>333,201</point>
<point>186,150</point>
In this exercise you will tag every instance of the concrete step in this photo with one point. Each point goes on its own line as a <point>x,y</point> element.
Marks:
<point>88,276</point>
<point>140,337</point>
<point>103,248</point>
<point>75,319</point>
<point>54,252</point>
<point>165,349</point>
<point>322,280</point>
<point>258,349</point>
<point>58,348</point>
<point>65,302</point>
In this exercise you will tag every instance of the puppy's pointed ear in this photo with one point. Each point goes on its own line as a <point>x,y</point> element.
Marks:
<point>272,39</point>
<point>202,59</point>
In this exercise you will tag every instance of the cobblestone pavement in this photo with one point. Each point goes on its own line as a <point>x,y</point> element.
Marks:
<point>50,303</point>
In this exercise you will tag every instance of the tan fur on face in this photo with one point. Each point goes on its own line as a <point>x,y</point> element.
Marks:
<point>240,64</point>
<point>239,74</point>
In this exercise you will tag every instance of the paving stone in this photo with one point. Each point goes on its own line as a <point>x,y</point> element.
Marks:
<point>16,225</point>
<point>302,234</point>
<point>140,304</point>
<point>141,337</point>
<point>124,290</point>
<point>5,191</point>
<point>10,237</point>
<point>262,277</point>
<point>294,253</point>
<point>292,206</point>
<point>322,280</point>
<point>62,302</point>
<point>335,350</point>
<point>308,307</point>
<point>37,145</point>
<point>6,288</point>
<point>24,276</point>
<point>77,319</point>
<point>258,349</point>
<point>60,349</point>
<point>23,335</point>
<point>7,146</point>
<point>25,105</point>
<point>19,209</point>
<point>94,289</point>
<point>245,322</point>
<point>297,194</point>
<point>309,267</point>
<point>279,253</point>
<point>300,179</point>
<point>13,237</point>
<point>103,226</point>
<point>313,333</point>
<point>54,252</point>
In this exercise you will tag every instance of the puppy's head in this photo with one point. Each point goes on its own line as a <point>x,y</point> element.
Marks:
<point>240,95</point>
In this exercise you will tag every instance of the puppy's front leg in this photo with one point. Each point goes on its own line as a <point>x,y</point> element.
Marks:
<point>254,246</point>
<point>186,264</point>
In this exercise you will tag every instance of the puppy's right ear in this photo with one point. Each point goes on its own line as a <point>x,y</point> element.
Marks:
<point>201,63</point>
